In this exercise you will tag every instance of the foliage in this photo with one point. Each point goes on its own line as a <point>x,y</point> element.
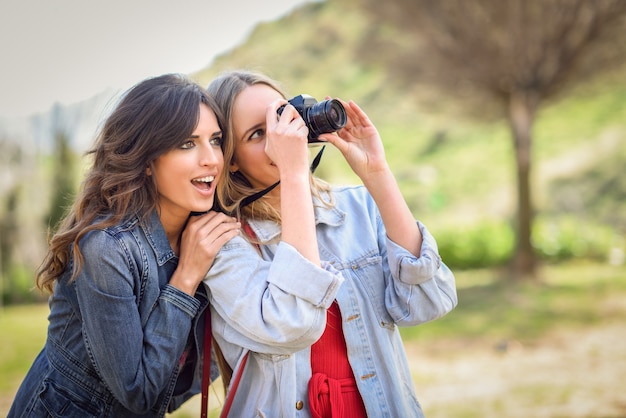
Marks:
<point>566,237</point>
<point>480,245</point>
<point>8,231</point>
<point>490,243</point>
<point>19,285</point>
<point>494,48</point>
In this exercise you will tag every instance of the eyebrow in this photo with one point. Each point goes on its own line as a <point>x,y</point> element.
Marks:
<point>251,129</point>
<point>213,135</point>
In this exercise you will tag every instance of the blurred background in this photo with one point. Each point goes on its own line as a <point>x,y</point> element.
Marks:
<point>504,122</point>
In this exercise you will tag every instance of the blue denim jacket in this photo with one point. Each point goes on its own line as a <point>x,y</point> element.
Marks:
<point>277,310</point>
<point>117,333</point>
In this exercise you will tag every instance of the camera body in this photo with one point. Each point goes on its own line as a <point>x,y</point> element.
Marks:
<point>320,117</point>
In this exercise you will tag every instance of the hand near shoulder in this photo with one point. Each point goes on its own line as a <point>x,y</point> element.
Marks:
<point>201,240</point>
<point>360,143</point>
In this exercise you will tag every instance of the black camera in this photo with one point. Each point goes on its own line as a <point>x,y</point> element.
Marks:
<point>320,117</point>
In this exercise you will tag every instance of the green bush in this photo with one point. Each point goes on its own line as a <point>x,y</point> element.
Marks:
<point>568,236</point>
<point>483,244</point>
<point>19,286</point>
<point>491,244</point>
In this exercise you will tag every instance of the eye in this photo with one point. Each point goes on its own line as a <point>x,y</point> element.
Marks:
<point>217,141</point>
<point>188,144</point>
<point>259,133</point>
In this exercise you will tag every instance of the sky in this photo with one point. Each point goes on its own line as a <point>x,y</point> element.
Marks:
<point>65,51</point>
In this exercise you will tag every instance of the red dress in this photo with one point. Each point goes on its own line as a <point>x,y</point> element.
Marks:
<point>332,388</point>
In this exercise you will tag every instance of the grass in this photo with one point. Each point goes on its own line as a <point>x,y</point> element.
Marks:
<point>508,349</point>
<point>23,330</point>
<point>572,295</point>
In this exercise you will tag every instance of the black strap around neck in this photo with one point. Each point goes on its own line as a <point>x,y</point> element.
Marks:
<point>260,194</point>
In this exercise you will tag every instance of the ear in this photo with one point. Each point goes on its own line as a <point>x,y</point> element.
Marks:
<point>148,171</point>
<point>234,167</point>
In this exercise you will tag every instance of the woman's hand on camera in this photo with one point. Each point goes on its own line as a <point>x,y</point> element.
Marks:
<point>362,147</point>
<point>286,142</point>
<point>201,240</point>
<point>359,142</point>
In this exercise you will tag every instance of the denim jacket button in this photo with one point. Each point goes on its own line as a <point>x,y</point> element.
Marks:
<point>299,405</point>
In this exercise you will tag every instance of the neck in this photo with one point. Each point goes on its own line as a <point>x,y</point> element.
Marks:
<point>173,230</point>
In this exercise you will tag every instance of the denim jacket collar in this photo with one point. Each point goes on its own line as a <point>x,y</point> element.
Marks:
<point>157,238</point>
<point>269,230</point>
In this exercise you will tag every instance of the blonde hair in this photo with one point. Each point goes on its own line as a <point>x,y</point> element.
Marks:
<point>233,188</point>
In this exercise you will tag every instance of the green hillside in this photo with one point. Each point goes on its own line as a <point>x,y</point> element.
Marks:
<point>458,174</point>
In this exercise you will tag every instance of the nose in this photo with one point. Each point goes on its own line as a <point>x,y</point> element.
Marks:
<point>210,155</point>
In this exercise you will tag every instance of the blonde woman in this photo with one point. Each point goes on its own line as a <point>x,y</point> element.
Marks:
<point>316,344</point>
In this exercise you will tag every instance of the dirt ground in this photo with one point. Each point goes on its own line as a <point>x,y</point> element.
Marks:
<point>569,373</point>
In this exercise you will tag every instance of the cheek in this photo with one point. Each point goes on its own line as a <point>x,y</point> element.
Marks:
<point>168,171</point>
<point>253,152</point>
<point>241,157</point>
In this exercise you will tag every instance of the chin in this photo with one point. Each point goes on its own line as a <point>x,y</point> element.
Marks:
<point>203,208</point>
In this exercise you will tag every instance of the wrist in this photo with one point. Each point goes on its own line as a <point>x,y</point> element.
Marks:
<point>378,177</point>
<point>296,178</point>
<point>184,283</point>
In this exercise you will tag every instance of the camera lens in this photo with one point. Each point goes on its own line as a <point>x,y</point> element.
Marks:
<point>325,117</point>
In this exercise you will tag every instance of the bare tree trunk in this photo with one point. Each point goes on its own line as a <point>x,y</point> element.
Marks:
<point>522,106</point>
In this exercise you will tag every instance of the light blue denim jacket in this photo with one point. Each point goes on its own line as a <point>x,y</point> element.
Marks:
<point>116,334</point>
<point>277,308</point>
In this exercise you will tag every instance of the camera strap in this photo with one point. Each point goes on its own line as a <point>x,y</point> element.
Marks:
<point>260,194</point>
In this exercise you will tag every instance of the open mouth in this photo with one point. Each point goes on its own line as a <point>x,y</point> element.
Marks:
<point>203,182</point>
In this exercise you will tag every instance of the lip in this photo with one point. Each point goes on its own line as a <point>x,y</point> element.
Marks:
<point>205,191</point>
<point>205,175</point>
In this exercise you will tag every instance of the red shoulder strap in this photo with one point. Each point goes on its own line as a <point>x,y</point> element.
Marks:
<point>206,369</point>
<point>206,366</point>
<point>233,387</point>
<point>206,373</point>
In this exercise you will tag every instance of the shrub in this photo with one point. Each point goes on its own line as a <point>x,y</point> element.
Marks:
<point>491,243</point>
<point>566,237</point>
<point>483,244</point>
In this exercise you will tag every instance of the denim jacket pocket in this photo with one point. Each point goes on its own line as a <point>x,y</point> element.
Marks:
<point>368,272</point>
<point>58,401</point>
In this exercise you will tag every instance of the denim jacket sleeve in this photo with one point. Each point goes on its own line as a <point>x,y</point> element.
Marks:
<point>422,288</point>
<point>134,355</point>
<point>277,306</point>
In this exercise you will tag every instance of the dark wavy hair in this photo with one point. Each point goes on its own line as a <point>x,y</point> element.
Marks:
<point>153,117</point>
